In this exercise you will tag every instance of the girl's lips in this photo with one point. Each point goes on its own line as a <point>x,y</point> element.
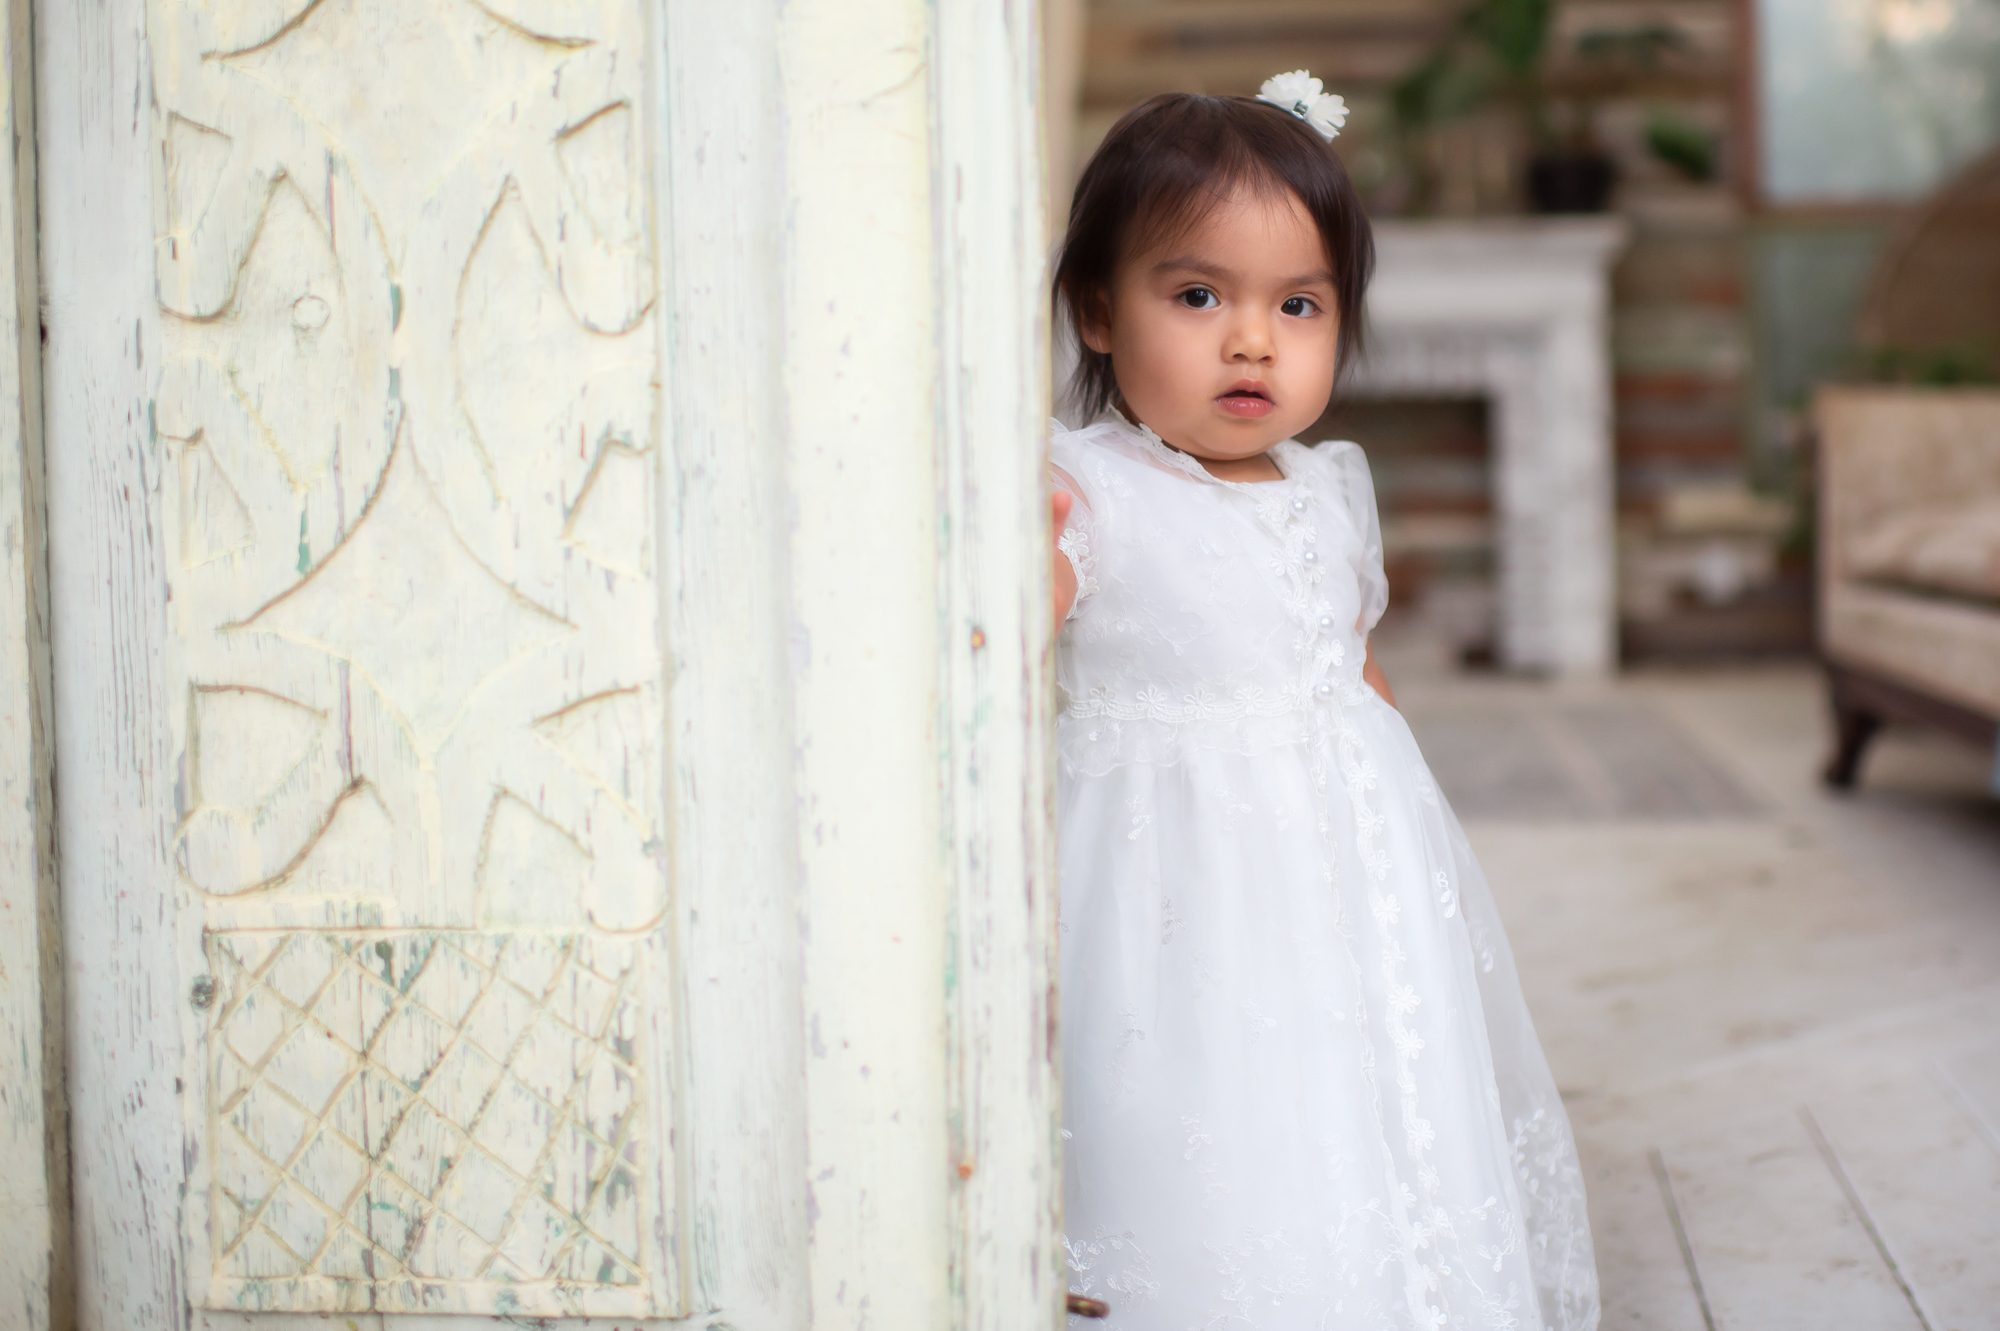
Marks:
<point>1245,405</point>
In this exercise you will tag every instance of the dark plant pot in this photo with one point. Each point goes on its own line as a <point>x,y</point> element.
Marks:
<point>1570,182</point>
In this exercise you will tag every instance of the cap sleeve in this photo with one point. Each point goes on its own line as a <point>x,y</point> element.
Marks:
<point>1354,481</point>
<point>1080,526</point>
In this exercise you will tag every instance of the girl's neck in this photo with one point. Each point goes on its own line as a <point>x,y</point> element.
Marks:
<point>1256,467</point>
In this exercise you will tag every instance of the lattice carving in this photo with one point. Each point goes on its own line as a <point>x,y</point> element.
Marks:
<point>399,1116</point>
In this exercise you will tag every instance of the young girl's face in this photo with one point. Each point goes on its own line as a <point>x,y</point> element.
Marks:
<point>1223,340</point>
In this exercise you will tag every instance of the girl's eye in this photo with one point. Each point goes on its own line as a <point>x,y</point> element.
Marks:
<point>1191,298</point>
<point>1306,301</point>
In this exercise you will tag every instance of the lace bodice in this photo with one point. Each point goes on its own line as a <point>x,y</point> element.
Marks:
<point>1209,611</point>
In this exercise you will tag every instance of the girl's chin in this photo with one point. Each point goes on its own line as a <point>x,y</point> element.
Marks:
<point>1228,434</point>
<point>1253,430</point>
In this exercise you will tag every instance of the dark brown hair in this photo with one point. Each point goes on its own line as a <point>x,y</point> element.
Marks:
<point>1163,168</point>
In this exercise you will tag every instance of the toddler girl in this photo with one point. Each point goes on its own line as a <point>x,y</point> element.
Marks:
<point>1301,1089</point>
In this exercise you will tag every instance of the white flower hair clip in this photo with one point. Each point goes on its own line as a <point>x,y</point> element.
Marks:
<point>1304,96</point>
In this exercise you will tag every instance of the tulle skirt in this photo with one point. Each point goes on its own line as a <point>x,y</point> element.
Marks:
<point>1302,1091</point>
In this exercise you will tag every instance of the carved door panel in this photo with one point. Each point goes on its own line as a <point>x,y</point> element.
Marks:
<point>406,414</point>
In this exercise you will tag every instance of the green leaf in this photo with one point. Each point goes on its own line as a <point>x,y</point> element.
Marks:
<point>1446,86</point>
<point>1642,46</point>
<point>1516,31</point>
<point>1681,144</point>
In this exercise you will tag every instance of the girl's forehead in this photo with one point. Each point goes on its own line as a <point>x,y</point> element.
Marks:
<point>1245,233</point>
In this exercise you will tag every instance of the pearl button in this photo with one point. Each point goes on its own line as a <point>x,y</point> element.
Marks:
<point>1323,689</point>
<point>1298,503</point>
<point>1326,622</point>
<point>1310,556</point>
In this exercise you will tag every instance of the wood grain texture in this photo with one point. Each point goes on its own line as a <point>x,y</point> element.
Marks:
<point>860,435</point>
<point>107,573</point>
<point>34,1137</point>
<point>1000,999</point>
<point>725,556</point>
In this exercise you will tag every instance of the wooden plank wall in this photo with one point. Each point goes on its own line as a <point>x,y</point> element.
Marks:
<point>1682,324</point>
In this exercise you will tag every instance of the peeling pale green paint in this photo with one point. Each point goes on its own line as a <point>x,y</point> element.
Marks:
<point>395,306</point>
<point>305,551</point>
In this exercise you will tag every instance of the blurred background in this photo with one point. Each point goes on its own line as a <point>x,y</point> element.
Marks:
<point>1684,412</point>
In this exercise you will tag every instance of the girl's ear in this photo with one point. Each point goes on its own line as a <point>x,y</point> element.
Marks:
<point>1094,323</point>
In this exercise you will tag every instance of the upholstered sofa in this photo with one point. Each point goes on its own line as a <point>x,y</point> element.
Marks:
<point>1908,606</point>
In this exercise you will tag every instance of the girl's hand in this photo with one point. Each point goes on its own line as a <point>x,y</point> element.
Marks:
<point>1371,674</point>
<point>1064,575</point>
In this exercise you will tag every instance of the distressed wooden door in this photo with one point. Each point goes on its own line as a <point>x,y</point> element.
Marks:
<point>452,644</point>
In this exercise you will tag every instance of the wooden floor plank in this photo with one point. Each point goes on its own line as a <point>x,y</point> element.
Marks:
<point>1974,1076</point>
<point>1928,1179</point>
<point>1645,1285</point>
<point>1777,1244</point>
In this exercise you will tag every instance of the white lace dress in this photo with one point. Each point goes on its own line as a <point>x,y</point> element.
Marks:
<point>1301,1090</point>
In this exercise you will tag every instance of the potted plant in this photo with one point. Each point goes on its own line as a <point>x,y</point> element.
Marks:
<point>1498,51</point>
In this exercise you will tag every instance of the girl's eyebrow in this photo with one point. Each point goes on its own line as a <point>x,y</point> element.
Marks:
<point>1192,265</point>
<point>1195,266</point>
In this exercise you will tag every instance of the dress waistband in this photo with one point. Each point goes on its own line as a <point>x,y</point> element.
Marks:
<point>1100,730</point>
<point>1193,706</point>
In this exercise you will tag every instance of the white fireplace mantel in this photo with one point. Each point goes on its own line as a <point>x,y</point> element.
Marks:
<point>1517,311</point>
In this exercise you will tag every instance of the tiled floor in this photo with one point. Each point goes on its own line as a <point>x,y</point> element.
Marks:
<point>1774,1010</point>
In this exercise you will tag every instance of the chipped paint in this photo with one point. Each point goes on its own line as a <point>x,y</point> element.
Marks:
<point>36,1272</point>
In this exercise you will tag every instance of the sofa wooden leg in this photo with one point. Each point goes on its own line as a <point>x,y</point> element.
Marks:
<point>1853,728</point>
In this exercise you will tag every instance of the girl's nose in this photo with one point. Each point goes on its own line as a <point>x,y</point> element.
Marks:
<point>1249,338</point>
